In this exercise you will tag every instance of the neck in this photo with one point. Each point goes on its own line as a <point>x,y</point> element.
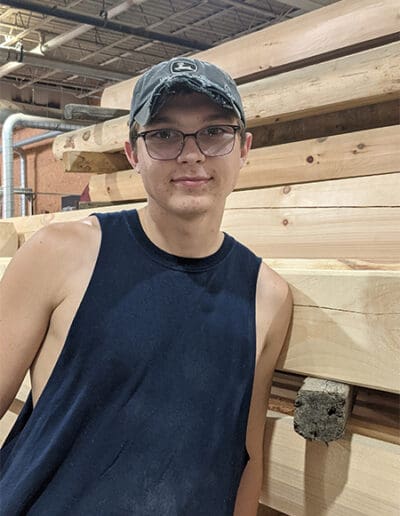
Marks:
<point>195,237</point>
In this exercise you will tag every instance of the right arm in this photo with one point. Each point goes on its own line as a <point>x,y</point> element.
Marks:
<point>30,290</point>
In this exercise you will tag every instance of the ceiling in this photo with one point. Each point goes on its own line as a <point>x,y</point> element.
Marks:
<point>68,58</point>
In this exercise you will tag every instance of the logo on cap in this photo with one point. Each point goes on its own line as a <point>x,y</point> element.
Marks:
<point>183,66</point>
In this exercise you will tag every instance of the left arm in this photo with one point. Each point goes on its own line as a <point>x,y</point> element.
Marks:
<point>274,305</point>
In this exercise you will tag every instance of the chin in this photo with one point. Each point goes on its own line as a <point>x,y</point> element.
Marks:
<point>194,207</point>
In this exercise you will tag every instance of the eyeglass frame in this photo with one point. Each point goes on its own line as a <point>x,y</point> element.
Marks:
<point>143,135</point>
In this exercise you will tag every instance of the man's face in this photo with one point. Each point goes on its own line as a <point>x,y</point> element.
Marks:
<point>191,184</point>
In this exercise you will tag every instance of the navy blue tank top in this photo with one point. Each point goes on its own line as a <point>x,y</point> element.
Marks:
<point>146,409</point>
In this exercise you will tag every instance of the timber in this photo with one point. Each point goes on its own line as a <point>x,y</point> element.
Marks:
<point>8,239</point>
<point>363,233</point>
<point>344,121</point>
<point>355,475</point>
<point>98,162</point>
<point>95,113</point>
<point>322,408</point>
<point>319,35</point>
<point>361,153</point>
<point>4,261</point>
<point>356,80</point>
<point>341,316</point>
<point>376,190</point>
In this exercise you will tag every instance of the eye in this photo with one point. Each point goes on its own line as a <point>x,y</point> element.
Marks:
<point>163,134</point>
<point>215,130</point>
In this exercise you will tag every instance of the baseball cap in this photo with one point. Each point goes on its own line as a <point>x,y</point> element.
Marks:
<point>154,86</point>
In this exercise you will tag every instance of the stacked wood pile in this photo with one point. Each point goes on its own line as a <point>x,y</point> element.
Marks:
<point>319,199</point>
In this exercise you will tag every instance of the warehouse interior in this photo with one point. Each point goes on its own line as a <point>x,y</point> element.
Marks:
<point>317,199</point>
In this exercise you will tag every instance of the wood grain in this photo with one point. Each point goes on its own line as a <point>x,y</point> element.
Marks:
<point>292,43</point>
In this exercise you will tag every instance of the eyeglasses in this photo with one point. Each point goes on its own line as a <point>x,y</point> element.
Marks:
<point>165,144</point>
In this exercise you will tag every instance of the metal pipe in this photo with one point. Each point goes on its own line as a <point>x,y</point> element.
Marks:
<point>15,55</point>
<point>34,139</point>
<point>19,119</point>
<point>104,23</point>
<point>68,36</point>
<point>22,171</point>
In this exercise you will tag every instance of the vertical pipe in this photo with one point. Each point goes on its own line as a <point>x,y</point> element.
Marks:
<point>19,119</point>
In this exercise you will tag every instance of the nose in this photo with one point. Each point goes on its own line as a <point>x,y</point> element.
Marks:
<point>191,152</point>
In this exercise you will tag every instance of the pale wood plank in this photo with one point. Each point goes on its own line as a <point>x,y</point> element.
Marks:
<point>124,185</point>
<point>355,154</point>
<point>100,162</point>
<point>362,233</point>
<point>343,233</point>
<point>8,239</point>
<point>4,261</point>
<point>359,118</point>
<point>346,325</point>
<point>355,475</point>
<point>318,33</point>
<point>378,190</point>
<point>355,80</point>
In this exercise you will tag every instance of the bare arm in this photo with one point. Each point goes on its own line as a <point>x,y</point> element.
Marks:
<point>29,292</point>
<point>274,312</point>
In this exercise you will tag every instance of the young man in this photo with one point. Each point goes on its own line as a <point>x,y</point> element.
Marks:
<point>151,336</point>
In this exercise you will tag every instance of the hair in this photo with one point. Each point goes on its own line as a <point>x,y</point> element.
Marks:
<point>182,89</point>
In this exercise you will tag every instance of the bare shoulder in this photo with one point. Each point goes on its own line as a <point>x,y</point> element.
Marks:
<point>274,307</point>
<point>52,252</point>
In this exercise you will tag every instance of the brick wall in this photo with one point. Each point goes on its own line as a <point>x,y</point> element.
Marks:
<point>45,175</point>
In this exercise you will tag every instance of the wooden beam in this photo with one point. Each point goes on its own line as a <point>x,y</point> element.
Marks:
<point>363,233</point>
<point>318,35</point>
<point>8,239</point>
<point>95,113</point>
<point>341,316</point>
<point>356,80</point>
<point>4,261</point>
<point>343,233</point>
<point>356,475</point>
<point>124,185</point>
<point>355,154</point>
<point>94,162</point>
<point>360,118</point>
<point>368,191</point>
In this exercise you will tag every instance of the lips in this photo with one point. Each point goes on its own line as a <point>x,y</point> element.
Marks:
<point>191,181</point>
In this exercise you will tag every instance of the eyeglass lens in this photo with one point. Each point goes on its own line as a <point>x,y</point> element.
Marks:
<point>212,141</point>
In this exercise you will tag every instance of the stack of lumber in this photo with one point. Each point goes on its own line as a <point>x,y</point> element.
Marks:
<point>319,200</point>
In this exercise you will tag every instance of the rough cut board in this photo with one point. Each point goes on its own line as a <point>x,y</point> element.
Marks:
<point>88,161</point>
<point>346,327</point>
<point>344,233</point>
<point>377,190</point>
<point>342,316</point>
<point>363,233</point>
<point>359,118</point>
<point>380,190</point>
<point>8,239</point>
<point>354,476</point>
<point>348,155</point>
<point>359,79</point>
<point>355,80</point>
<point>291,43</point>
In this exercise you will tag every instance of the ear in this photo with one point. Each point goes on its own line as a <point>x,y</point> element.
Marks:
<point>131,154</point>
<point>244,149</point>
